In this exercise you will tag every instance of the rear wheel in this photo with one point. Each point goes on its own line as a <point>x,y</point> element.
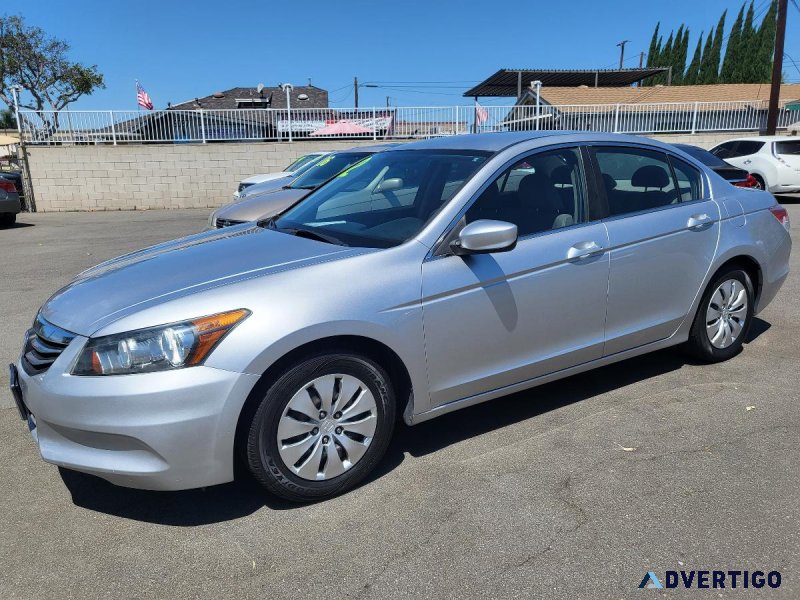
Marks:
<point>321,427</point>
<point>723,317</point>
<point>760,185</point>
<point>8,219</point>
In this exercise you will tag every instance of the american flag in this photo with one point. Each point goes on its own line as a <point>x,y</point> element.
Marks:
<point>142,99</point>
<point>481,114</point>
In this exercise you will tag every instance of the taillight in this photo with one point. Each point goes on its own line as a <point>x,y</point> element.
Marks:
<point>750,182</point>
<point>7,186</point>
<point>780,213</point>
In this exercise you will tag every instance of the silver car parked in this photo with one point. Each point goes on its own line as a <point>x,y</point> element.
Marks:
<point>479,266</point>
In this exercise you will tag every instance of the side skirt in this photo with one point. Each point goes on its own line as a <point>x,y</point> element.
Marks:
<point>677,338</point>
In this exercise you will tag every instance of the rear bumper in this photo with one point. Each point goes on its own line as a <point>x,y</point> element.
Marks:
<point>160,431</point>
<point>10,205</point>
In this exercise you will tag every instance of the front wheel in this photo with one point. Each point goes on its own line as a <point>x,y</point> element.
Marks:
<point>723,317</point>
<point>321,427</point>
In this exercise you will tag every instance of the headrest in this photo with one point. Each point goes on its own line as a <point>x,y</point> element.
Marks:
<point>533,184</point>
<point>562,175</point>
<point>650,176</point>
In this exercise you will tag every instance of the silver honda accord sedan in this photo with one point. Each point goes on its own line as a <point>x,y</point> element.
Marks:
<point>421,280</point>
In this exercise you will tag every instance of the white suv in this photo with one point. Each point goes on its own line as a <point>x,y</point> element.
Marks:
<point>774,161</point>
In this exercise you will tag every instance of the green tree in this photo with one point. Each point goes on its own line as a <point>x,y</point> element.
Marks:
<point>665,55</point>
<point>732,50</point>
<point>748,50</point>
<point>654,53</point>
<point>766,45</point>
<point>7,120</point>
<point>709,66</point>
<point>693,70</point>
<point>39,64</point>
<point>679,52</point>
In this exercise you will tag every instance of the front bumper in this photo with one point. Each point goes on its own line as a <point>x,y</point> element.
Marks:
<point>161,431</point>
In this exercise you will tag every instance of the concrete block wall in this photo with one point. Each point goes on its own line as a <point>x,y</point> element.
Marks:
<point>137,177</point>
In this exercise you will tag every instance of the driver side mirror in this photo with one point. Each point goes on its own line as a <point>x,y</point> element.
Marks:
<point>485,236</point>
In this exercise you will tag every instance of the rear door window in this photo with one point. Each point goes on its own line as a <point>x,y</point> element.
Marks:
<point>726,150</point>
<point>635,179</point>
<point>747,147</point>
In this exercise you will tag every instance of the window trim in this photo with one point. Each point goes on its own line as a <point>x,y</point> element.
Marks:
<point>601,191</point>
<point>442,246</point>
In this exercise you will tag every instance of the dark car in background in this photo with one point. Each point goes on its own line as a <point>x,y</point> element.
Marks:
<point>735,175</point>
<point>10,203</point>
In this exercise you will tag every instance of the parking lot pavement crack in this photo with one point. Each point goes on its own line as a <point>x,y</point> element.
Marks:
<point>399,557</point>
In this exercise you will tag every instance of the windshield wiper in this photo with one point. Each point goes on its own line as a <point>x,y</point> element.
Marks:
<point>315,235</point>
<point>303,187</point>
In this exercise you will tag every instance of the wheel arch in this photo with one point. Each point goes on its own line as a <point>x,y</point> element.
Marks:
<point>749,265</point>
<point>357,344</point>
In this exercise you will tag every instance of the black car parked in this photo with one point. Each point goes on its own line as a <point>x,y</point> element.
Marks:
<point>735,175</point>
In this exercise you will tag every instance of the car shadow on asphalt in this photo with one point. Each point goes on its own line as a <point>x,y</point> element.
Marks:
<point>17,225</point>
<point>243,497</point>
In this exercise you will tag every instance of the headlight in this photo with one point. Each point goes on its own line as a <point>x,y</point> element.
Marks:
<point>161,348</point>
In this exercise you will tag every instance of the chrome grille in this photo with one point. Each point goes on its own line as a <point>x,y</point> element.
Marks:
<point>228,222</point>
<point>44,343</point>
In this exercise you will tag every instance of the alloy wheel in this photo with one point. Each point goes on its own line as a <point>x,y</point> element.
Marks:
<point>327,427</point>
<point>726,313</point>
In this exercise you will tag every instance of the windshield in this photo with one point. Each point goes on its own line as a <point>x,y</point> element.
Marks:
<point>790,147</point>
<point>384,200</point>
<point>300,162</point>
<point>309,164</point>
<point>325,168</point>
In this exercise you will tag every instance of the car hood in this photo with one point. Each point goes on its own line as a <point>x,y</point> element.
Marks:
<point>261,206</point>
<point>273,185</point>
<point>124,285</point>
<point>266,177</point>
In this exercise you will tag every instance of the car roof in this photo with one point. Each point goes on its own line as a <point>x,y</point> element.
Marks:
<point>764,138</point>
<point>370,148</point>
<point>497,141</point>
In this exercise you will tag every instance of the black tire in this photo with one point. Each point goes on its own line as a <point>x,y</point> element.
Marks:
<point>761,185</point>
<point>699,345</point>
<point>8,219</point>
<point>261,444</point>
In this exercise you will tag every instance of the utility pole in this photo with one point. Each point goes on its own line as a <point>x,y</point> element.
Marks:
<point>641,59</point>
<point>622,52</point>
<point>777,69</point>
<point>387,101</point>
<point>355,89</point>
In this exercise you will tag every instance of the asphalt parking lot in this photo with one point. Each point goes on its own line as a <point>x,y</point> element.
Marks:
<point>572,490</point>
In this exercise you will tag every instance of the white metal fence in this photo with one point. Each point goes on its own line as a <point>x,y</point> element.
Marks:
<point>204,126</point>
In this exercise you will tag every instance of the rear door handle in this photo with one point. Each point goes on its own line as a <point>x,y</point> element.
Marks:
<point>583,250</point>
<point>699,221</point>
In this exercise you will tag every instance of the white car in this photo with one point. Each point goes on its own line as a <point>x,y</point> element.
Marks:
<point>774,161</point>
<point>287,172</point>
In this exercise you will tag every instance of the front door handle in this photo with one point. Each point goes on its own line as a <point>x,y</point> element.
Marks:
<point>583,250</point>
<point>699,221</point>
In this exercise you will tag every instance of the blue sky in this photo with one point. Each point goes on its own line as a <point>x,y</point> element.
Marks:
<point>180,50</point>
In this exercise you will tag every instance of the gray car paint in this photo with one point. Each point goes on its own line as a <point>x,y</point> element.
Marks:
<point>467,329</point>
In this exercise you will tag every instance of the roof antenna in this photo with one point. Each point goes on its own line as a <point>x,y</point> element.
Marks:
<point>309,82</point>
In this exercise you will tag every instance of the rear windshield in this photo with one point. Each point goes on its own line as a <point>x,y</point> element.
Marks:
<point>704,156</point>
<point>792,147</point>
